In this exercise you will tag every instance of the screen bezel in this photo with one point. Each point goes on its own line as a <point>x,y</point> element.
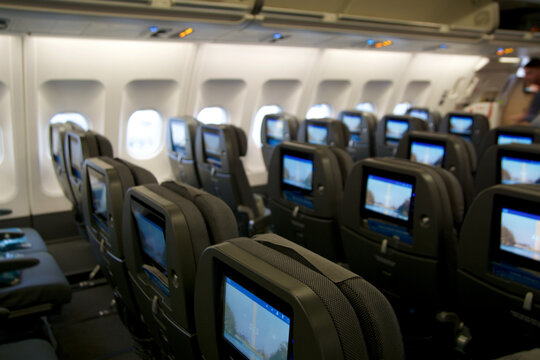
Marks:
<point>513,134</point>
<point>301,155</point>
<point>102,220</point>
<point>425,111</point>
<point>369,214</point>
<point>428,142</point>
<point>514,154</point>
<point>158,219</point>
<point>209,157</point>
<point>497,255</point>
<point>390,140</point>
<point>175,147</point>
<point>465,135</point>
<point>277,303</point>
<point>56,146</point>
<point>320,125</point>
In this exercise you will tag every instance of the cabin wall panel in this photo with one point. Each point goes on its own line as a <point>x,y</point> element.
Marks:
<point>13,182</point>
<point>116,65</point>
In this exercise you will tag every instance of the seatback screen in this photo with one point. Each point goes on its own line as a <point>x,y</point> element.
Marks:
<point>297,172</point>
<point>275,131</point>
<point>178,135</point>
<point>504,139</point>
<point>317,134</point>
<point>426,153</point>
<point>76,156</point>
<point>99,194</point>
<point>395,130</point>
<point>520,233</point>
<point>151,229</point>
<point>461,125</point>
<point>212,151</point>
<point>353,122</point>
<point>519,171</point>
<point>252,326</point>
<point>388,197</point>
<point>419,114</point>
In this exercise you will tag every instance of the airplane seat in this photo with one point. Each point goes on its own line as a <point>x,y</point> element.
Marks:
<point>508,164</point>
<point>345,163</point>
<point>105,181</point>
<point>399,226</point>
<point>218,152</point>
<point>276,128</point>
<point>79,146</point>
<point>28,349</point>
<point>503,135</point>
<point>446,151</point>
<point>325,131</point>
<point>499,270</point>
<point>471,127</point>
<point>432,118</point>
<point>362,126</point>
<point>181,149</point>
<point>32,285</point>
<point>21,240</point>
<point>261,295</point>
<point>391,129</point>
<point>165,229</point>
<point>305,189</point>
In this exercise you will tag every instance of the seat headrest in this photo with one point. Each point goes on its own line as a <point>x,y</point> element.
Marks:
<point>241,140</point>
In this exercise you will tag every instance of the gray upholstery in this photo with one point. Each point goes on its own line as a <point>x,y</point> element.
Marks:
<point>42,284</point>
<point>33,349</point>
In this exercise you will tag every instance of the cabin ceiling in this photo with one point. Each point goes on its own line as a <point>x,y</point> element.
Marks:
<point>444,26</point>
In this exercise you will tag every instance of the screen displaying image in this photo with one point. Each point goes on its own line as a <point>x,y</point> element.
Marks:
<point>430,154</point>
<point>388,197</point>
<point>252,326</point>
<point>353,122</point>
<point>274,129</point>
<point>99,194</point>
<point>395,129</point>
<point>519,171</point>
<point>76,156</point>
<point>520,233</point>
<point>504,139</point>
<point>211,143</point>
<point>317,134</point>
<point>461,125</point>
<point>152,238</point>
<point>298,172</point>
<point>419,114</point>
<point>178,134</point>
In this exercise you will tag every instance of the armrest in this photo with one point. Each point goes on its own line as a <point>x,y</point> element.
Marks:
<point>17,263</point>
<point>261,224</point>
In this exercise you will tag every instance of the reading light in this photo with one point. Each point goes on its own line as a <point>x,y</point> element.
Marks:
<point>443,46</point>
<point>153,29</point>
<point>185,33</point>
<point>370,42</point>
<point>277,36</point>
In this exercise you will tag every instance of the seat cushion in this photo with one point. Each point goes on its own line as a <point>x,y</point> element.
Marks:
<point>42,284</point>
<point>33,349</point>
<point>36,242</point>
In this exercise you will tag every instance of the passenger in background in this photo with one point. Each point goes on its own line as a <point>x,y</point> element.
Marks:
<point>532,77</point>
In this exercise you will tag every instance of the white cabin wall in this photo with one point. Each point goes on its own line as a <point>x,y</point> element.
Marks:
<point>13,155</point>
<point>242,78</point>
<point>112,78</point>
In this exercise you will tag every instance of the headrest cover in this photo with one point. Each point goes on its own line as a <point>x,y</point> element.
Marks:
<point>241,139</point>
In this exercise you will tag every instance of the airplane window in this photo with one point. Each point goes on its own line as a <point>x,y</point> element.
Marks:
<point>213,115</point>
<point>366,106</point>
<point>75,117</point>
<point>401,108</point>
<point>319,111</point>
<point>259,116</point>
<point>144,134</point>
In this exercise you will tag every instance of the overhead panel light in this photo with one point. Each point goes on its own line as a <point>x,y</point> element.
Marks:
<point>504,51</point>
<point>509,60</point>
<point>185,33</point>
